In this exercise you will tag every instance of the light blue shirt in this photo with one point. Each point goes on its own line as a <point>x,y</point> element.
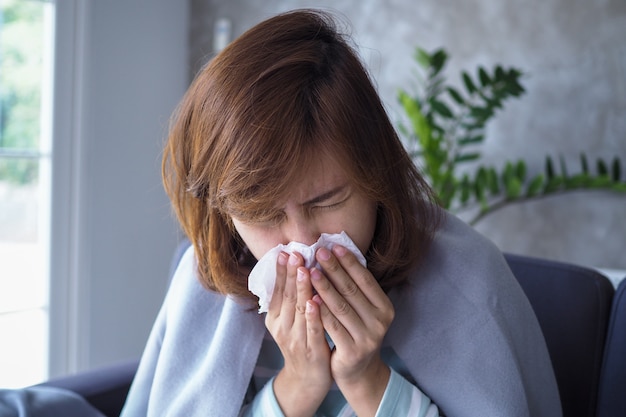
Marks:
<point>401,397</point>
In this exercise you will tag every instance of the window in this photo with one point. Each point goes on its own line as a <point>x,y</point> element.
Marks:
<point>26,40</point>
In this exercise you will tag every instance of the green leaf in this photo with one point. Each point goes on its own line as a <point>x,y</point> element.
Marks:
<point>456,96</point>
<point>466,157</point>
<point>520,170</point>
<point>577,181</point>
<point>549,168</point>
<point>438,60</point>
<point>490,103</point>
<point>553,184</point>
<point>441,108</point>
<point>465,189</point>
<point>422,57</point>
<point>535,186</point>
<point>602,168</point>
<point>619,187</point>
<point>508,173</point>
<point>616,169</point>
<point>517,89</point>
<point>481,114</point>
<point>420,125</point>
<point>584,164</point>
<point>601,182</point>
<point>494,186</point>
<point>499,73</point>
<point>484,77</point>
<point>471,140</point>
<point>479,190</point>
<point>411,106</point>
<point>513,188</point>
<point>469,85</point>
<point>482,176</point>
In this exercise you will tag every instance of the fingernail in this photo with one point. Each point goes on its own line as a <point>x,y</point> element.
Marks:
<point>316,274</point>
<point>293,259</point>
<point>283,258</point>
<point>323,254</point>
<point>309,307</point>
<point>339,250</point>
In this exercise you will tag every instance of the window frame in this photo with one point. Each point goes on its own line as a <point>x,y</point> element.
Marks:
<point>68,292</point>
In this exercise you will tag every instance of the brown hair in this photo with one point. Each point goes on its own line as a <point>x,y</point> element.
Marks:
<point>260,111</point>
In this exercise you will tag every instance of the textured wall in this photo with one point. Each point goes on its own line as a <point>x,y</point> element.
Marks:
<point>574,54</point>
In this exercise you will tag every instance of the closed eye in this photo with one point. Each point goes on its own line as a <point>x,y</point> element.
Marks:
<point>266,219</point>
<point>332,206</point>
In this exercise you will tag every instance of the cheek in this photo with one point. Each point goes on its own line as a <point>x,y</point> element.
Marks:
<point>259,240</point>
<point>362,224</point>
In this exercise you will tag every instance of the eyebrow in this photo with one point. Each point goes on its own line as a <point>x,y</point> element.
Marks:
<point>325,196</point>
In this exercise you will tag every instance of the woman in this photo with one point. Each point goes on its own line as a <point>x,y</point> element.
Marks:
<point>281,138</point>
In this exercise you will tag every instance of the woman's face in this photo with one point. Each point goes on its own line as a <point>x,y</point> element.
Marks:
<point>322,202</point>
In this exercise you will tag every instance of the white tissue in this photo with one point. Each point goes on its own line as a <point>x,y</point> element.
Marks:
<point>263,276</point>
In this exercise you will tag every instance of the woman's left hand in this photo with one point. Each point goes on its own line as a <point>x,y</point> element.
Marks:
<point>356,313</point>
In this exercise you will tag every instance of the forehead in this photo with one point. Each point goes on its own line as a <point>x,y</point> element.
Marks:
<point>252,195</point>
<point>322,175</point>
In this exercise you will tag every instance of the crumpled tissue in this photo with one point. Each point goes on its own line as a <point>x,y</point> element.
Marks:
<point>263,276</point>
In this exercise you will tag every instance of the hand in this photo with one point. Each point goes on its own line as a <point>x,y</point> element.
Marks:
<point>356,313</point>
<point>295,324</point>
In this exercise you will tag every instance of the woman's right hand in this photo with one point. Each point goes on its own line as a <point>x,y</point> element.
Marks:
<point>294,322</point>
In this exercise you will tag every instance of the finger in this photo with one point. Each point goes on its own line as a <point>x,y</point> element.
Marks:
<point>361,319</point>
<point>290,297</point>
<point>347,288</point>
<point>335,329</point>
<point>316,339</point>
<point>304,289</point>
<point>304,294</point>
<point>279,285</point>
<point>335,272</point>
<point>362,277</point>
<point>379,312</point>
<point>337,314</point>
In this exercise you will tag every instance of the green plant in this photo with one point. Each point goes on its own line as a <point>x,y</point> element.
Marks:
<point>21,69</point>
<point>448,126</point>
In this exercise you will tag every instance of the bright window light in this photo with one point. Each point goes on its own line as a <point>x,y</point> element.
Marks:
<point>26,39</point>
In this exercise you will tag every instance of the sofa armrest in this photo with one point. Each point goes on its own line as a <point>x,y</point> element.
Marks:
<point>104,388</point>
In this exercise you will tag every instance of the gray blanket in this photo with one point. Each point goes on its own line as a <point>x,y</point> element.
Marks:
<point>464,329</point>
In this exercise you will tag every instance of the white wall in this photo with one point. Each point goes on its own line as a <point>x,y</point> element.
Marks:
<point>121,69</point>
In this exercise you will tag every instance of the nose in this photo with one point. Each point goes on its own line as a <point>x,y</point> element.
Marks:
<point>300,229</point>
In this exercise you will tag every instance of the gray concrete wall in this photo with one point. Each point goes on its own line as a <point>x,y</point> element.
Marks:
<point>574,55</point>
